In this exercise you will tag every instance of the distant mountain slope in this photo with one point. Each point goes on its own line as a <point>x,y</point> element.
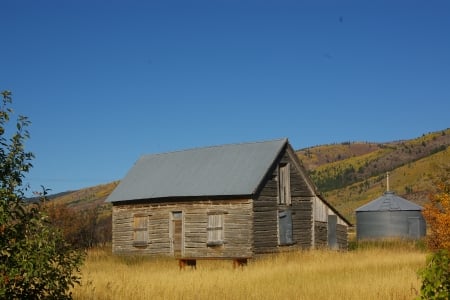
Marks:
<point>348,174</point>
<point>413,181</point>
<point>86,198</point>
<point>317,156</point>
<point>336,166</point>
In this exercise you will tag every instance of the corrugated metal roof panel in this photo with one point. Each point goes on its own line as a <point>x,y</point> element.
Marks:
<point>389,202</point>
<point>225,170</point>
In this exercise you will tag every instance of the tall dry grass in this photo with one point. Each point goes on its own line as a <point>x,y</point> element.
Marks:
<point>365,273</point>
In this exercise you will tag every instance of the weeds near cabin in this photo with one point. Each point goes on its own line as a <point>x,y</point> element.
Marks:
<point>369,273</point>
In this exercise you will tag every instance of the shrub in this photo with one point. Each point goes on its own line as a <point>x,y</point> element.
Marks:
<point>35,261</point>
<point>437,215</point>
<point>77,226</point>
<point>436,276</point>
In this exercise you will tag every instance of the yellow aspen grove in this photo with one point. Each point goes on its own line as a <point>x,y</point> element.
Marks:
<point>437,215</point>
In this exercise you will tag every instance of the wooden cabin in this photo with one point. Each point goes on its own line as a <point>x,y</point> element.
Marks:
<point>228,201</point>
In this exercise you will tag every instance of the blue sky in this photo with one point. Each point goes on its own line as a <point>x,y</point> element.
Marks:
<point>105,82</point>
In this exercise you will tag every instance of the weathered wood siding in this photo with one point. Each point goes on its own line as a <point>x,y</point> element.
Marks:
<point>266,208</point>
<point>238,229</point>
<point>321,215</point>
<point>321,234</point>
<point>302,221</point>
<point>321,210</point>
<point>342,236</point>
<point>265,225</point>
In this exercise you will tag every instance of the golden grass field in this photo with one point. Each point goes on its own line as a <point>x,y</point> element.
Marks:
<point>366,273</point>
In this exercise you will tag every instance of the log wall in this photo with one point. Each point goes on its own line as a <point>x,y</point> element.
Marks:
<point>266,208</point>
<point>321,234</point>
<point>342,236</point>
<point>237,228</point>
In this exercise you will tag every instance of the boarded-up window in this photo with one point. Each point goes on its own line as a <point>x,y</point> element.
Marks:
<point>285,227</point>
<point>140,230</point>
<point>284,184</point>
<point>215,229</point>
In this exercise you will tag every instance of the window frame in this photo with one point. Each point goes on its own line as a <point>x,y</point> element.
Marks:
<point>284,184</point>
<point>140,230</point>
<point>285,228</point>
<point>215,229</point>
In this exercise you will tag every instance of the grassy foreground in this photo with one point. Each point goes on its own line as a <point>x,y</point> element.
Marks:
<point>365,273</point>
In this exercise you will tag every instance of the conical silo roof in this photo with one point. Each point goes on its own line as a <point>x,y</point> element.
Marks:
<point>389,202</point>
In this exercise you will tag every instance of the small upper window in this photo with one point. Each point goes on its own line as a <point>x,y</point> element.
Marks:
<point>140,230</point>
<point>284,184</point>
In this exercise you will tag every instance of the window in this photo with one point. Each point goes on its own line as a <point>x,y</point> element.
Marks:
<point>215,229</point>
<point>284,185</point>
<point>140,230</point>
<point>285,227</point>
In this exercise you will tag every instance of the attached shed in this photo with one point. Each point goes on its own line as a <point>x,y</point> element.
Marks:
<point>390,216</point>
<point>235,200</point>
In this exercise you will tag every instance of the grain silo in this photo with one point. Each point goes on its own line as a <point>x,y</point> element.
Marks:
<point>390,216</point>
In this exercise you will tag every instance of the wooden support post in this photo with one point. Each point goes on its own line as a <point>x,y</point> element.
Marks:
<point>182,263</point>
<point>192,262</point>
<point>239,262</point>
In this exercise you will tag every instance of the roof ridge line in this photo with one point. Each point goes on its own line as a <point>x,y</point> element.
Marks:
<point>215,146</point>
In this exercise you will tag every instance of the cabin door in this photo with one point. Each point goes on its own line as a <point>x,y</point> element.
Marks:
<point>414,227</point>
<point>177,233</point>
<point>285,227</point>
<point>332,232</point>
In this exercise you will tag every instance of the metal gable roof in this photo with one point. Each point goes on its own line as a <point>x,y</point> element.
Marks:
<point>226,170</point>
<point>389,202</point>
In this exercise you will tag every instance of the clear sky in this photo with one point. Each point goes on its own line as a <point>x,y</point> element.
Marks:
<point>105,82</point>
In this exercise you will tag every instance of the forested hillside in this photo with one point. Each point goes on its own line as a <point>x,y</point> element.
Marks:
<point>336,166</point>
<point>348,174</point>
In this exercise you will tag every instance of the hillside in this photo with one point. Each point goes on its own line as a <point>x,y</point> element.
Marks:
<point>336,166</point>
<point>347,174</point>
<point>85,198</point>
<point>413,181</point>
<point>351,174</point>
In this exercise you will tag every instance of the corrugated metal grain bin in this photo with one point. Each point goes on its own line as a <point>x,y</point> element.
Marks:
<point>390,216</point>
